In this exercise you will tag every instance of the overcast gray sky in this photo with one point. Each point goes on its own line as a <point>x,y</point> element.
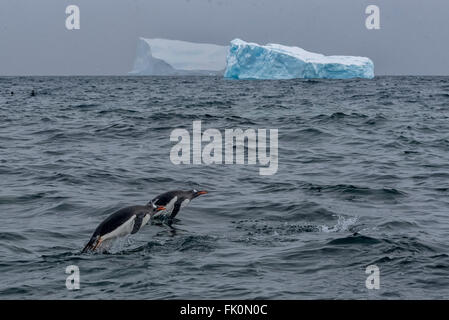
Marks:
<point>413,38</point>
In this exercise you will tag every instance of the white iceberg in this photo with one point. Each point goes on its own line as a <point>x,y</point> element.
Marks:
<point>274,61</point>
<point>175,57</point>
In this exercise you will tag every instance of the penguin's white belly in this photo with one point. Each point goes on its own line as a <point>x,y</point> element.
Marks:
<point>122,230</point>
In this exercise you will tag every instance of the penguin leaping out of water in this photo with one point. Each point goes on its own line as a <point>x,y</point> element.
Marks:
<point>124,222</point>
<point>173,201</point>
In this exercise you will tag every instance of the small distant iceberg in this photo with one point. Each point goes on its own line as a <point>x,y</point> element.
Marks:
<point>247,60</point>
<point>175,57</point>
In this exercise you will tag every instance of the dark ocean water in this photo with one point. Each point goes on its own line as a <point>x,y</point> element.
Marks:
<point>363,179</point>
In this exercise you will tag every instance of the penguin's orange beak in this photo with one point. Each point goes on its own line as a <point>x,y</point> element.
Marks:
<point>160,208</point>
<point>201,192</point>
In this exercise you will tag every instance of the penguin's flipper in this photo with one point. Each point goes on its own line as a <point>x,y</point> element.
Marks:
<point>138,222</point>
<point>175,211</point>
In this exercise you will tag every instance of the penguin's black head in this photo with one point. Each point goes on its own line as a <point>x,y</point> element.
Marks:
<point>195,193</point>
<point>155,208</point>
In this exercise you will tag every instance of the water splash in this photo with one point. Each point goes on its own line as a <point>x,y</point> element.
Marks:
<point>343,224</point>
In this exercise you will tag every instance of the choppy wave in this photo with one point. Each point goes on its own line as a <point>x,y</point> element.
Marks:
<point>362,180</point>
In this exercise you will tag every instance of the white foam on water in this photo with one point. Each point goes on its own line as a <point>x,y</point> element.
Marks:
<point>343,224</point>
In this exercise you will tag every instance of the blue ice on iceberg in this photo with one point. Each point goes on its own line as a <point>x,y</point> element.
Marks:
<point>247,60</point>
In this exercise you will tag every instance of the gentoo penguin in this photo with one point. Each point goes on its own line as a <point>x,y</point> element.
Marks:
<point>173,201</point>
<point>126,221</point>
